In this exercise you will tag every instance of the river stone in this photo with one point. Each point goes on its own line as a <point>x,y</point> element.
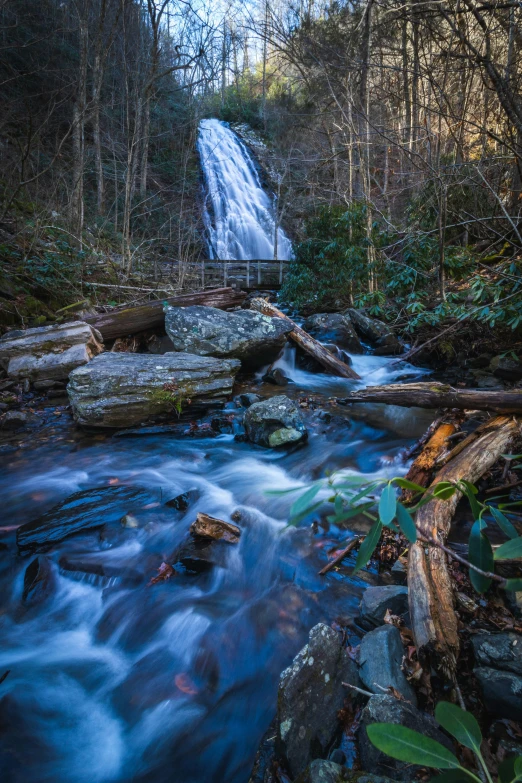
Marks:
<point>205,526</point>
<point>388,709</point>
<point>321,771</point>
<point>501,692</point>
<point>499,651</point>
<point>380,660</point>
<point>124,389</point>
<point>274,422</point>
<point>377,600</point>
<point>85,510</point>
<point>382,336</point>
<point>311,694</point>
<point>244,334</point>
<point>334,328</point>
<point>39,581</point>
<point>506,367</point>
<point>49,352</point>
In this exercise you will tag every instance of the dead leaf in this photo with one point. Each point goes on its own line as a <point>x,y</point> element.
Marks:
<point>165,571</point>
<point>184,684</point>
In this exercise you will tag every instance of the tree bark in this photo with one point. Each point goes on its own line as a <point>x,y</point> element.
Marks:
<point>434,623</point>
<point>307,343</point>
<point>130,320</point>
<point>439,395</point>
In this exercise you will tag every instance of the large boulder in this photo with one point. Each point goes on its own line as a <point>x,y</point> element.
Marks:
<point>380,335</point>
<point>85,510</point>
<point>388,709</point>
<point>124,389</point>
<point>49,352</point>
<point>274,422</point>
<point>311,693</point>
<point>376,601</point>
<point>253,338</point>
<point>380,661</point>
<point>334,328</point>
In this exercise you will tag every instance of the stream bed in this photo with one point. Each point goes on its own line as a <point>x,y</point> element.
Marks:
<point>116,679</point>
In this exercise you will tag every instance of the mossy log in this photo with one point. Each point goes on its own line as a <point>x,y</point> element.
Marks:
<point>307,343</point>
<point>432,613</point>
<point>123,321</point>
<point>439,395</point>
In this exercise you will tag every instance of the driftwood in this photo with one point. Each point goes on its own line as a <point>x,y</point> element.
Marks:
<point>439,395</point>
<point>434,623</point>
<point>340,557</point>
<point>123,321</point>
<point>307,343</point>
<point>422,467</point>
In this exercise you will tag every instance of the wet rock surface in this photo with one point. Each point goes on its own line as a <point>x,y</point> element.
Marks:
<point>376,332</point>
<point>253,338</point>
<point>388,709</point>
<point>334,328</point>
<point>124,389</point>
<point>39,581</point>
<point>501,691</point>
<point>499,651</point>
<point>380,660</point>
<point>206,526</point>
<point>274,422</point>
<point>310,697</point>
<point>377,600</point>
<point>82,511</point>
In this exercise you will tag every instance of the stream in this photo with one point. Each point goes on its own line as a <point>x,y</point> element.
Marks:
<point>113,681</point>
<point>112,678</point>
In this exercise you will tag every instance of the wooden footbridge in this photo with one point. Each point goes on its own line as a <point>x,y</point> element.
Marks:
<point>250,274</point>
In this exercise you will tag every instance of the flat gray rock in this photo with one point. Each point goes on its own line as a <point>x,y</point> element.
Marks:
<point>274,422</point>
<point>251,337</point>
<point>499,651</point>
<point>311,694</point>
<point>380,660</point>
<point>124,389</point>
<point>377,600</point>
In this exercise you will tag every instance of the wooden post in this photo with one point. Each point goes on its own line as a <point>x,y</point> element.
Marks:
<point>224,274</point>
<point>280,272</point>
<point>203,273</point>
<point>259,272</point>
<point>248,274</point>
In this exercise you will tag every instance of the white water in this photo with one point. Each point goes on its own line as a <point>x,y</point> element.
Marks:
<point>239,213</point>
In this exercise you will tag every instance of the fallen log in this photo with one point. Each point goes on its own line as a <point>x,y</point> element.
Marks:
<point>307,343</point>
<point>432,613</point>
<point>422,467</point>
<point>438,395</point>
<point>123,321</point>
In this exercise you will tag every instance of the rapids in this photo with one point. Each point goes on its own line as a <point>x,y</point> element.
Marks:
<point>117,681</point>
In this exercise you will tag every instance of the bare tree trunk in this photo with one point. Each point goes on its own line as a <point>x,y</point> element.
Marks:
<point>78,133</point>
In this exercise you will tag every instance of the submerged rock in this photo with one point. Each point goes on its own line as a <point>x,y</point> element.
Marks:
<point>388,709</point>
<point>183,501</point>
<point>244,334</point>
<point>380,660</point>
<point>274,422</point>
<point>311,694</point>
<point>197,555</point>
<point>123,389</point>
<point>39,581</point>
<point>334,328</point>
<point>276,376</point>
<point>376,601</point>
<point>85,510</point>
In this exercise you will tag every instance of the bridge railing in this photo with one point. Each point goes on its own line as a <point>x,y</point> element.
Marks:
<point>253,272</point>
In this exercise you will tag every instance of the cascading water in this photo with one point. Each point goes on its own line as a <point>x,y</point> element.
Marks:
<point>239,213</point>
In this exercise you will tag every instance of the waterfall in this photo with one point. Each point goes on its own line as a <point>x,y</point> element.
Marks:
<point>239,214</point>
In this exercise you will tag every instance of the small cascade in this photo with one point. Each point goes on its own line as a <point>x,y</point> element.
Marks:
<point>239,214</point>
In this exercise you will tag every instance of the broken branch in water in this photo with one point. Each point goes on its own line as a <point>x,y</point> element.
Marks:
<point>340,557</point>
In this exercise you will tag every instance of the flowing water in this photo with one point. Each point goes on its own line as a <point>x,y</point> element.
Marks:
<point>239,213</point>
<point>113,679</point>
